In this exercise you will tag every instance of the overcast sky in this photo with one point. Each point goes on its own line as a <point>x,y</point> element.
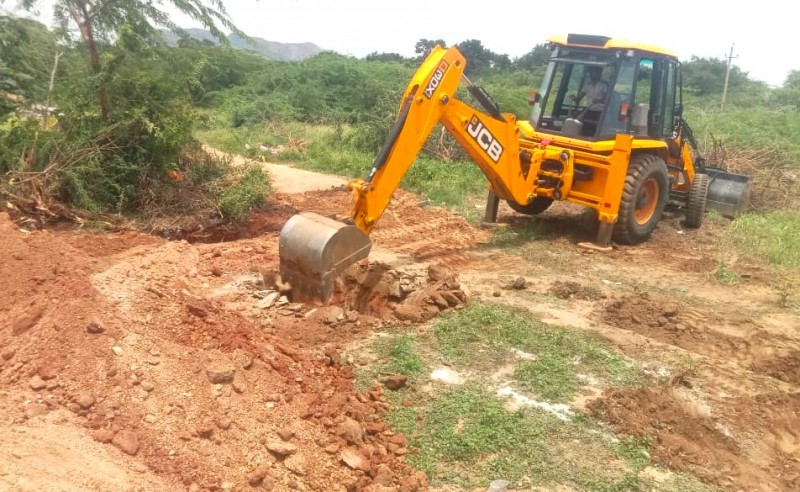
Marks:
<point>764,32</point>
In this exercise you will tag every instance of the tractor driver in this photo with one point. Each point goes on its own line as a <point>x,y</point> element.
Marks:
<point>594,89</point>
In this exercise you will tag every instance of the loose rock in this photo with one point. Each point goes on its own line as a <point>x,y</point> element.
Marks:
<point>395,382</point>
<point>255,477</point>
<point>127,441</point>
<point>281,449</point>
<point>286,434</point>
<point>220,373</point>
<point>95,328</point>
<point>85,399</point>
<point>37,383</point>
<point>351,431</point>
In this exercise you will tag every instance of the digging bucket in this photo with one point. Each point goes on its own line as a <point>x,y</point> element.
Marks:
<point>728,193</point>
<point>314,250</point>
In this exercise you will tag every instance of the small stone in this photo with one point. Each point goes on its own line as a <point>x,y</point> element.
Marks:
<point>8,353</point>
<point>269,300</point>
<point>205,430</point>
<point>519,283</point>
<point>37,383</point>
<point>498,486</point>
<point>496,293</point>
<point>670,310</point>
<point>117,350</point>
<point>239,383</point>
<point>334,315</point>
<point>680,327</point>
<point>355,460</point>
<point>281,449</point>
<point>351,431</point>
<point>103,435</point>
<point>223,423</point>
<point>395,382</point>
<point>147,386</point>
<point>95,328</point>
<point>296,464</point>
<point>127,441</point>
<point>85,399</point>
<point>662,321</point>
<point>73,407</point>
<point>216,271</point>
<point>255,477</point>
<point>196,310</point>
<point>220,373</point>
<point>286,434</point>
<point>332,449</point>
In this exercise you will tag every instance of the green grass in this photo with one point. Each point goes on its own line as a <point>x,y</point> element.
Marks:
<point>516,236</point>
<point>452,184</point>
<point>401,355</point>
<point>725,274</point>
<point>774,236</point>
<point>464,437</point>
<point>482,336</point>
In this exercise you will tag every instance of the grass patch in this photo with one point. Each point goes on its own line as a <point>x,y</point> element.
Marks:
<point>482,336</point>
<point>328,149</point>
<point>402,357</point>
<point>464,437</point>
<point>773,236</point>
<point>635,450</point>
<point>725,274</point>
<point>519,235</point>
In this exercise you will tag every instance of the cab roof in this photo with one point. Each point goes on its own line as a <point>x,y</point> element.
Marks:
<point>604,42</point>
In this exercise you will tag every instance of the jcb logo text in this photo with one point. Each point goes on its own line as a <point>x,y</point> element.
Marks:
<point>484,138</point>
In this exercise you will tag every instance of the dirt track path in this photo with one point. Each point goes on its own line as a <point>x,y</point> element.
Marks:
<point>162,361</point>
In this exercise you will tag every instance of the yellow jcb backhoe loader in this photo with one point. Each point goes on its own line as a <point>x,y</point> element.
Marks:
<point>625,156</point>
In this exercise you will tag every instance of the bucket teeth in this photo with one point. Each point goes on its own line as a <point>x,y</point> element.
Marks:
<point>314,250</point>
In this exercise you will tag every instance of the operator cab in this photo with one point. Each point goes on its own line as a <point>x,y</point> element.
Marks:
<point>636,94</point>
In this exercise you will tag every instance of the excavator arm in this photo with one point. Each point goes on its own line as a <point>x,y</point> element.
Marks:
<point>491,140</point>
<point>314,250</point>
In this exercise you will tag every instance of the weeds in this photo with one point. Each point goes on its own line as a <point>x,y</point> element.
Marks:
<point>484,335</point>
<point>773,236</point>
<point>402,357</point>
<point>725,274</point>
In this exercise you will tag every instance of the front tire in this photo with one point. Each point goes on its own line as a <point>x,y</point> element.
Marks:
<point>535,207</point>
<point>696,204</point>
<point>644,197</point>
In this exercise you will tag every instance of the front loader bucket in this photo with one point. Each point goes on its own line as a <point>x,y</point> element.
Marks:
<point>728,193</point>
<point>314,250</point>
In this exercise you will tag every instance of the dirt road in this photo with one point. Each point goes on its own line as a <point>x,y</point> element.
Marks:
<point>134,363</point>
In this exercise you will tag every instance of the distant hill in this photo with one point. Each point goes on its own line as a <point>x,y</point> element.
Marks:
<point>268,49</point>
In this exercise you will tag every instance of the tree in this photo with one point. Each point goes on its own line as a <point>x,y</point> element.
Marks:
<point>536,57</point>
<point>424,47</point>
<point>26,58</point>
<point>99,20</point>
<point>707,76</point>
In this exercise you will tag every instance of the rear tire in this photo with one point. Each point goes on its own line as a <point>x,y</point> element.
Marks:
<point>644,197</point>
<point>696,204</point>
<point>537,205</point>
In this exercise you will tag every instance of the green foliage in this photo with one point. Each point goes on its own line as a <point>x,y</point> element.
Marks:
<point>725,274</point>
<point>773,236</point>
<point>402,357</point>
<point>248,192</point>
<point>561,354</point>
